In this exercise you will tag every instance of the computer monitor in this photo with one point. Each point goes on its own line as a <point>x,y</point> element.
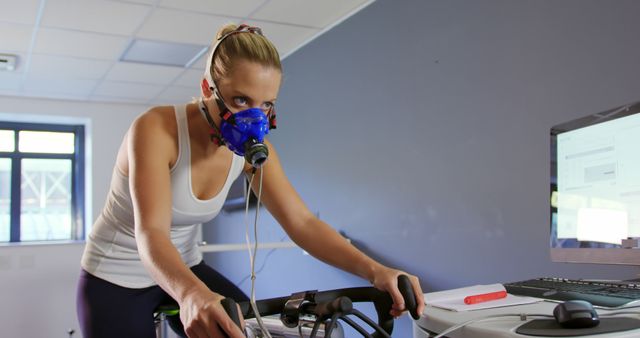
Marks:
<point>595,188</point>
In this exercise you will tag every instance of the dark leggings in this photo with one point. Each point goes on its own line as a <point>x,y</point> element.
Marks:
<point>109,310</point>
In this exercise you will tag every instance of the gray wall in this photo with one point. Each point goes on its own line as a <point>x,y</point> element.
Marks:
<point>420,129</point>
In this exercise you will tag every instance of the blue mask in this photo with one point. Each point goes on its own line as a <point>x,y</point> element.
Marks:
<point>244,132</point>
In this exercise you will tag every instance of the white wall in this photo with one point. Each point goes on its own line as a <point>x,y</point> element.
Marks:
<point>37,282</point>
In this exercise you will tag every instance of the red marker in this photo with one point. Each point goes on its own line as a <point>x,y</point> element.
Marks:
<point>485,297</point>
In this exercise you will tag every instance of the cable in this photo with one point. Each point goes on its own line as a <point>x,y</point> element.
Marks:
<point>263,264</point>
<point>522,316</point>
<point>252,253</point>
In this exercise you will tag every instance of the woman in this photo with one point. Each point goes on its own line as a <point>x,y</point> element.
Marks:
<point>142,250</point>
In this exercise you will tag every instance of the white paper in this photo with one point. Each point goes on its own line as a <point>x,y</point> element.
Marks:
<point>454,299</point>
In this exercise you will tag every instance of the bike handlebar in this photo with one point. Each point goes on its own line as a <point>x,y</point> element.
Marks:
<point>325,303</point>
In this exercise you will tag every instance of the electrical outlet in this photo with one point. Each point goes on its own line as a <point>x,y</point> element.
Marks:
<point>8,62</point>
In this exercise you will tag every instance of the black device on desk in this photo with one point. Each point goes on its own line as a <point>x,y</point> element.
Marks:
<point>576,314</point>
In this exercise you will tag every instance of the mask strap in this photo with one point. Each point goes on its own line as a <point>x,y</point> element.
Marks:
<point>272,119</point>
<point>225,114</point>
<point>214,132</point>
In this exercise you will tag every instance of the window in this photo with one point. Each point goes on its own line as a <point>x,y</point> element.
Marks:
<point>41,182</point>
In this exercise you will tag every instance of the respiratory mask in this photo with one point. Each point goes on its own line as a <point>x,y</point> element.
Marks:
<point>242,132</point>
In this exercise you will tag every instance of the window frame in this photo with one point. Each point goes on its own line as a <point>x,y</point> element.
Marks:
<point>78,174</point>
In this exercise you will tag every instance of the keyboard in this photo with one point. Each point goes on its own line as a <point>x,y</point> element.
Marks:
<point>609,294</point>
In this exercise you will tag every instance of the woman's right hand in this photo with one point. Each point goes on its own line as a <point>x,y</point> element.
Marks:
<point>203,316</point>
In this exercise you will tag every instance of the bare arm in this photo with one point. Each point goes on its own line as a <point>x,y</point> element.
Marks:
<point>319,239</point>
<point>150,184</point>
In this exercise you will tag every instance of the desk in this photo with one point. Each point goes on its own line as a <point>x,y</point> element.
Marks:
<point>437,320</point>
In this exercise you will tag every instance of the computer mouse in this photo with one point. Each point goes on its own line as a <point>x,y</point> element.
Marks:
<point>576,314</point>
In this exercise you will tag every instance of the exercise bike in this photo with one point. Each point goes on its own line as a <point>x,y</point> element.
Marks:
<point>313,313</point>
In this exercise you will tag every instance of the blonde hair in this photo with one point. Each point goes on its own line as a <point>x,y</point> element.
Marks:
<point>252,47</point>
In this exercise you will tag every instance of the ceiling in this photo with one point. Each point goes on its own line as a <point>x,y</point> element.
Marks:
<point>78,49</point>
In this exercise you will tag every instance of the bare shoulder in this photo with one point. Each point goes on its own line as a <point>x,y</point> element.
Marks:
<point>155,131</point>
<point>157,119</point>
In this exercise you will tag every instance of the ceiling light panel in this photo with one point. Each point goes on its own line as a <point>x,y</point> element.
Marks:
<point>23,11</point>
<point>15,37</point>
<point>182,27</point>
<point>80,44</point>
<point>310,13</point>
<point>94,15</point>
<point>143,73</point>
<point>237,8</point>
<point>162,53</point>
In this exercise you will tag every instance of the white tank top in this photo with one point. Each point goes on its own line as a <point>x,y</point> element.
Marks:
<point>111,252</point>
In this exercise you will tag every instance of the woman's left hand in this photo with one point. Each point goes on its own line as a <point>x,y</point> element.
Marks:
<point>386,279</point>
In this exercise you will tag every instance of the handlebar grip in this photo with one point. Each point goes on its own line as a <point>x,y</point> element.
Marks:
<point>338,305</point>
<point>404,285</point>
<point>231,308</point>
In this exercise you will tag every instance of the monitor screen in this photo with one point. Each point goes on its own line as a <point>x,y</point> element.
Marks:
<point>595,188</point>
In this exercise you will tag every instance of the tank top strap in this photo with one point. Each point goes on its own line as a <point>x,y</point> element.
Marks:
<point>184,153</point>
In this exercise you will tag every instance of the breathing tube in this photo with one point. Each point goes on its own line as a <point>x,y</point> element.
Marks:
<point>253,252</point>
